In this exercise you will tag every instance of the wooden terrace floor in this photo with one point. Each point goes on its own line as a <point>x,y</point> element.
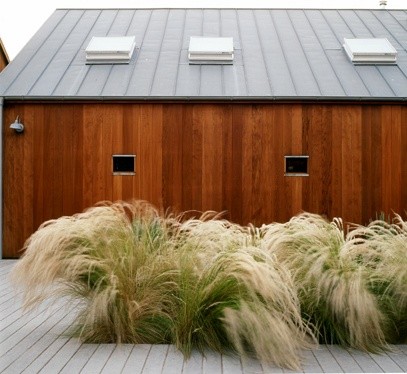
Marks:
<point>35,342</point>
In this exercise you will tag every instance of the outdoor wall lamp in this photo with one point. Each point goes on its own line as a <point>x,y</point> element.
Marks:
<point>17,126</point>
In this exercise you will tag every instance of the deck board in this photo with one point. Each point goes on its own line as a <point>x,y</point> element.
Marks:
<point>137,359</point>
<point>37,342</point>
<point>386,363</point>
<point>117,359</point>
<point>365,361</point>
<point>55,362</point>
<point>212,362</point>
<point>99,358</point>
<point>155,359</point>
<point>174,361</point>
<point>327,361</point>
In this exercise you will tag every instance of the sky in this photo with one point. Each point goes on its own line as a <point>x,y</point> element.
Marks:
<point>20,19</point>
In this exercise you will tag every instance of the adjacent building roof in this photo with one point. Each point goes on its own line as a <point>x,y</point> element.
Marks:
<point>278,54</point>
<point>4,59</point>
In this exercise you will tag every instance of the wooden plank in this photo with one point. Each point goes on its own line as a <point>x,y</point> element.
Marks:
<point>172,157</point>
<point>337,165</point>
<point>257,119</point>
<point>212,362</point>
<point>155,359</point>
<point>34,359</point>
<point>386,159</point>
<point>79,359</point>
<point>194,363</point>
<point>188,182</point>
<point>371,162</point>
<point>396,159</point>
<point>118,359</point>
<point>352,163</point>
<point>326,360</point>
<point>6,298</point>
<point>236,187</point>
<point>210,121</point>
<point>344,359</point>
<point>18,343</point>
<point>403,140</point>
<point>10,312</point>
<point>137,359</point>
<point>399,358</point>
<point>247,165</point>
<point>54,359</point>
<point>98,359</point>
<point>268,180</point>
<point>13,159</point>
<point>365,361</point>
<point>231,364</point>
<point>228,198</point>
<point>90,125</point>
<point>386,363</point>
<point>197,158</point>
<point>15,327</point>
<point>174,361</point>
<point>311,364</point>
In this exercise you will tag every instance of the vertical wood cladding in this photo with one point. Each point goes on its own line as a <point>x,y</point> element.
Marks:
<point>222,157</point>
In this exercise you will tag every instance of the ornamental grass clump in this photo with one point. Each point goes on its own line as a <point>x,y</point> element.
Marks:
<point>236,296</point>
<point>333,289</point>
<point>140,277</point>
<point>115,259</point>
<point>382,250</point>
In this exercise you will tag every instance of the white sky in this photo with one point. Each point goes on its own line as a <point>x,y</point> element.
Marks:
<point>20,19</point>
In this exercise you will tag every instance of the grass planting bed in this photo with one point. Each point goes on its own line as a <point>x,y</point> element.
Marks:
<point>139,276</point>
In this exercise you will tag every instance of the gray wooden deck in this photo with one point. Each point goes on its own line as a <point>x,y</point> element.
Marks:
<point>35,342</point>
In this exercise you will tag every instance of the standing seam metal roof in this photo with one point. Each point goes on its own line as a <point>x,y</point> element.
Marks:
<point>279,54</point>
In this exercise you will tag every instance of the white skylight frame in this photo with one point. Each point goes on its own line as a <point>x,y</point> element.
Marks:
<point>210,50</point>
<point>371,51</point>
<point>110,49</point>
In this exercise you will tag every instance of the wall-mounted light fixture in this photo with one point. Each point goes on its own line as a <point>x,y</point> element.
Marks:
<point>17,126</point>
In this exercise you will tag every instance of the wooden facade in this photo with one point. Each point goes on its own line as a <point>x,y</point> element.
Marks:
<point>203,156</point>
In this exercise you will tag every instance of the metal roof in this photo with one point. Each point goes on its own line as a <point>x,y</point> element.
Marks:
<point>279,54</point>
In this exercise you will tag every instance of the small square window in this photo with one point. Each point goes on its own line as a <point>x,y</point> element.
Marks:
<point>124,164</point>
<point>296,166</point>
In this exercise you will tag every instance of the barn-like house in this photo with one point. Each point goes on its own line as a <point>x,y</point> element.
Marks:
<point>272,113</point>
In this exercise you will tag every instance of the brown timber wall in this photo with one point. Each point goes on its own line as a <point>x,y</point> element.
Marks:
<point>203,156</point>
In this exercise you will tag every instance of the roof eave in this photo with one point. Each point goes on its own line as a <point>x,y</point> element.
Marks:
<point>274,99</point>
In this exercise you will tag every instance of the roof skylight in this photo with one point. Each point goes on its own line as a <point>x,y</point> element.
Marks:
<point>370,51</point>
<point>210,50</point>
<point>110,49</point>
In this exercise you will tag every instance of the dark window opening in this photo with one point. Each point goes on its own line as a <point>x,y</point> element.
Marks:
<point>296,165</point>
<point>124,164</point>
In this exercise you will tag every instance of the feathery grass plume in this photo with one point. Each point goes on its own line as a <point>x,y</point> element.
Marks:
<point>208,235</point>
<point>268,320</point>
<point>333,288</point>
<point>382,249</point>
<point>115,258</point>
<point>233,295</point>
